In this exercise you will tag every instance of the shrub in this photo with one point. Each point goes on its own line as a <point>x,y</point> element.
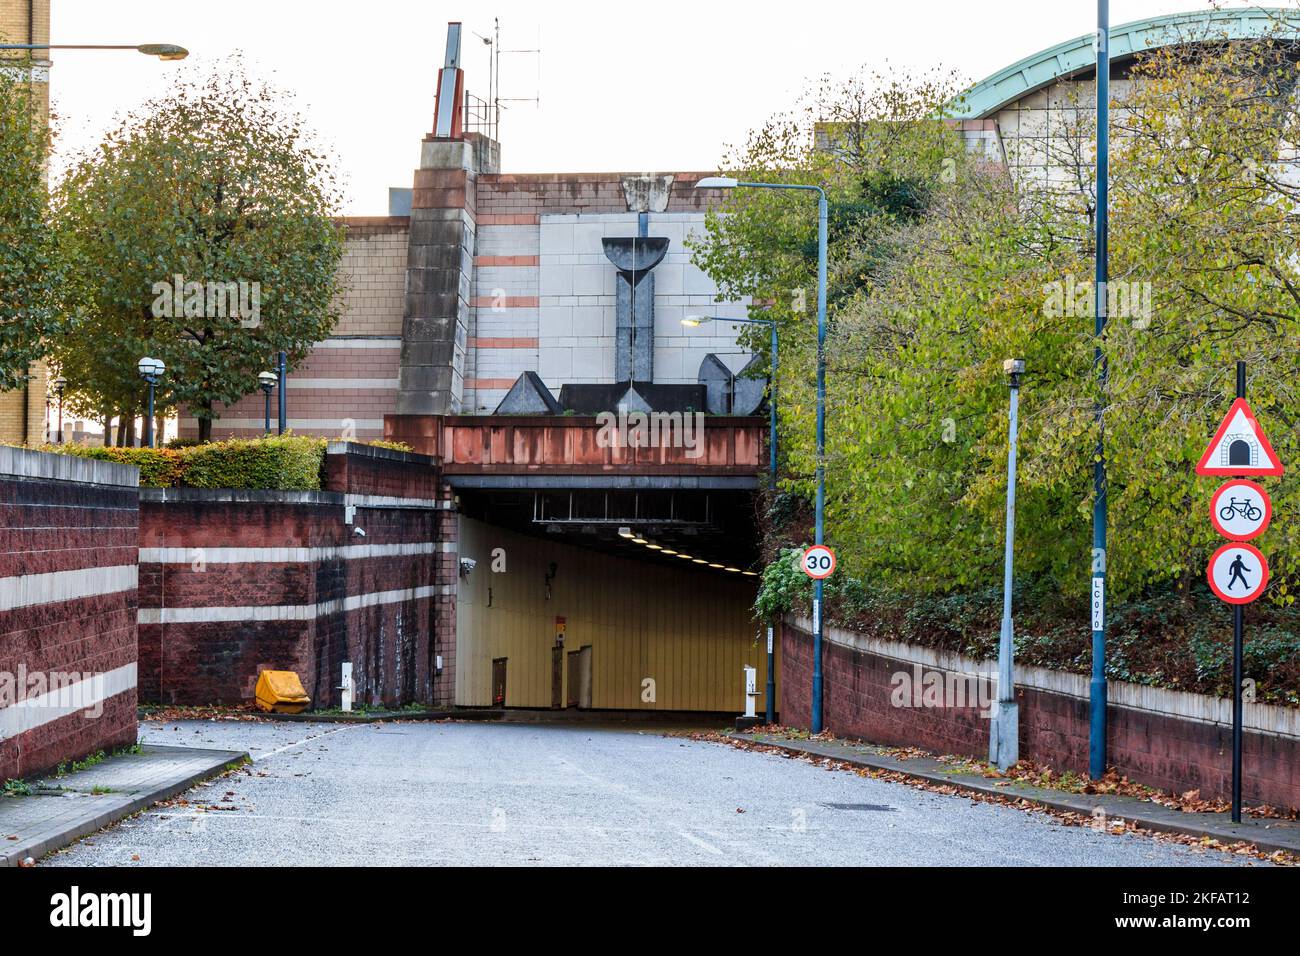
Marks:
<point>159,467</point>
<point>283,463</point>
<point>390,445</point>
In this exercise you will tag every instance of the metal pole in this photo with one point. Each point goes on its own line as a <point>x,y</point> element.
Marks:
<point>771,478</point>
<point>266,392</point>
<point>60,418</point>
<point>1238,652</point>
<point>1097,730</point>
<point>1004,732</point>
<point>816,721</point>
<point>148,422</point>
<point>282,372</point>
<point>771,414</point>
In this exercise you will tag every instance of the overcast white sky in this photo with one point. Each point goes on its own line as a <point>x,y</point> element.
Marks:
<point>654,85</point>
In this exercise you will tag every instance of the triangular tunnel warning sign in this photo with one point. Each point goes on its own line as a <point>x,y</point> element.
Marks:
<point>1239,447</point>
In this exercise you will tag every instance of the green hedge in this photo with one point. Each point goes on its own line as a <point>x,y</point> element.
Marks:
<point>281,463</point>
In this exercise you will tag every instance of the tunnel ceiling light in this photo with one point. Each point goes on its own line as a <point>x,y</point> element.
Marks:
<point>718,566</point>
<point>655,547</point>
<point>685,557</point>
<point>625,533</point>
<point>699,561</point>
<point>750,574</point>
<point>669,551</point>
<point>640,541</point>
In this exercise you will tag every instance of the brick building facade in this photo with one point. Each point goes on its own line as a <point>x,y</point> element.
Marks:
<point>23,411</point>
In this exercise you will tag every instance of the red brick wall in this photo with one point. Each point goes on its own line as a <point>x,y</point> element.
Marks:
<point>63,522</point>
<point>332,604</point>
<point>1160,750</point>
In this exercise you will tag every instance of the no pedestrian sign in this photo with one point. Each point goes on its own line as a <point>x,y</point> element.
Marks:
<point>1238,573</point>
<point>818,562</point>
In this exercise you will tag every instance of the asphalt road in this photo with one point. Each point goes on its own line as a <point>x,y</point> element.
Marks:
<point>545,794</point>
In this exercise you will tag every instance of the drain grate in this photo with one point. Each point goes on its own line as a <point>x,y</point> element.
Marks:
<point>857,806</point>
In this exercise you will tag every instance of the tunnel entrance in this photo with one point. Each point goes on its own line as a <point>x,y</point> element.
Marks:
<point>607,599</point>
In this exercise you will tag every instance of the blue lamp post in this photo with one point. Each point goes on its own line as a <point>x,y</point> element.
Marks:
<point>695,321</point>
<point>151,370</point>
<point>726,182</point>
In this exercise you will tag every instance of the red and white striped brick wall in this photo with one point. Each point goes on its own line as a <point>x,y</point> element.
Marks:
<point>235,582</point>
<point>68,538</point>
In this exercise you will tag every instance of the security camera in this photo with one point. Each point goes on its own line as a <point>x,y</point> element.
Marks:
<point>466,566</point>
<point>359,532</point>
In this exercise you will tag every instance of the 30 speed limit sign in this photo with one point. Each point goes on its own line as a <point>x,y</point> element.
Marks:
<point>818,562</point>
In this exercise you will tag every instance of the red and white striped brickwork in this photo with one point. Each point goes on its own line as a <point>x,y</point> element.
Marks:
<point>68,538</point>
<point>235,582</point>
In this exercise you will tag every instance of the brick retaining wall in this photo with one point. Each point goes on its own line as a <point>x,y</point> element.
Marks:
<point>235,582</point>
<point>1168,739</point>
<point>68,532</point>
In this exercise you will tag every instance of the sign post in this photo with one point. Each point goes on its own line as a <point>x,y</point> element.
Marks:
<point>1240,510</point>
<point>818,562</point>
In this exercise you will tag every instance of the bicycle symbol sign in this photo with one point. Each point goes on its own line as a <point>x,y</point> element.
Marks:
<point>818,562</point>
<point>1241,510</point>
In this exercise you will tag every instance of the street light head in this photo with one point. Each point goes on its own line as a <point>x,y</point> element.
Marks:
<point>59,384</point>
<point>717,182</point>
<point>267,380</point>
<point>164,51</point>
<point>151,366</point>
<point>695,321</point>
<point>1014,366</point>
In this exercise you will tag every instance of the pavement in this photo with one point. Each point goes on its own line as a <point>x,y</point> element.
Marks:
<point>525,794</point>
<point>61,809</point>
<point>1266,834</point>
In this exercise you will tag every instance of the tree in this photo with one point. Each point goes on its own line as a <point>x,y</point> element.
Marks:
<point>30,272</point>
<point>1205,202</point>
<point>202,234</point>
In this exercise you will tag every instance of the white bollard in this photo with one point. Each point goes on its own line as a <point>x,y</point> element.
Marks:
<point>751,690</point>
<point>346,687</point>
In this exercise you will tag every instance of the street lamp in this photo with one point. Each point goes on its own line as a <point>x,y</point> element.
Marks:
<point>151,370</point>
<point>727,182</point>
<point>60,384</point>
<point>694,322</point>
<point>164,51</point>
<point>1004,729</point>
<point>266,381</point>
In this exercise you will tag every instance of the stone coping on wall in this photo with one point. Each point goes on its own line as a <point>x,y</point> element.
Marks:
<point>241,496</point>
<point>375,451</point>
<point>24,463</point>
<point>1259,718</point>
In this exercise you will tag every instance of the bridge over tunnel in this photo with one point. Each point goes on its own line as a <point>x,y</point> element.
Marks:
<point>596,577</point>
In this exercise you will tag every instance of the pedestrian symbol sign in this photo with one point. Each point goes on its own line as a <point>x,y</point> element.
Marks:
<point>1239,447</point>
<point>1238,573</point>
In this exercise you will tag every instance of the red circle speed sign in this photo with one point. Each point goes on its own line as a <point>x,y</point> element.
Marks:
<point>818,562</point>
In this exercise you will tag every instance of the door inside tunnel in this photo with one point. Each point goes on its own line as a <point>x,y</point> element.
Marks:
<point>656,592</point>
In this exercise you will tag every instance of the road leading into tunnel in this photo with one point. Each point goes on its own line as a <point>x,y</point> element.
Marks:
<point>550,794</point>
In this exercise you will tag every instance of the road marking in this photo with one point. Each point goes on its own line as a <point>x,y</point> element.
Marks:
<point>698,842</point>
<point>299,743</point>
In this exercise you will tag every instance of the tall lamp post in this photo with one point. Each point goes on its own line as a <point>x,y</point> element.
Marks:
<point>151,370</point>
<point>1004,730</point>
<point>266,381</point>
<point>59,384</point>
<point>1097,685</point>
<point>727,182</point>
<point>695,321</point>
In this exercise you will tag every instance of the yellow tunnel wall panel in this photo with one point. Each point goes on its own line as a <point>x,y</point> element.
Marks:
<point>688,630</point>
